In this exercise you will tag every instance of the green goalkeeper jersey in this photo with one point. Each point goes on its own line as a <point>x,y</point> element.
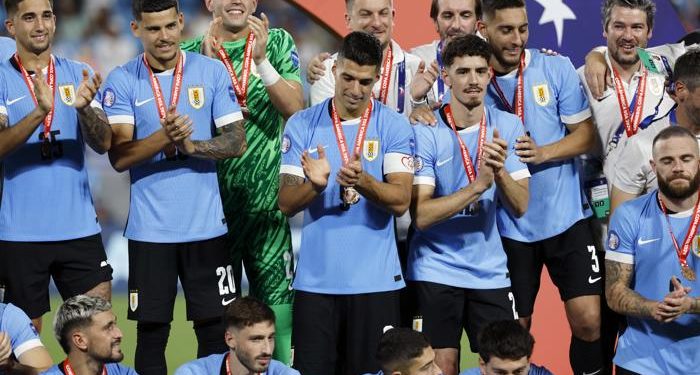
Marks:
<point>250,183</point>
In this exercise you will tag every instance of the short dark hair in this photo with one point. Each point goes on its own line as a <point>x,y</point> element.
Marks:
<point>247,311</point>
<point>466,45</point>
<point>435,9</point>
<point>489,7</point>
<point>673,132</point>
<point>11,6</point>
<point>362,48</point>
<point>505,339</point>
<point>687,69</point>
<point>398,347</point>
<point>152,6</point>
<point>647,6</point>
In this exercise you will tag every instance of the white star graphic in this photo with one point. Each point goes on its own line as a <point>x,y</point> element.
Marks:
<point>555,11</point>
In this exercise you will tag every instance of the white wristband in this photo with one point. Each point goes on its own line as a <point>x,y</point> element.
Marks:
<point>268,73</point>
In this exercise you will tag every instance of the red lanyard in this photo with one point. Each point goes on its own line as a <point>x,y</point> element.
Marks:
<point>340,136</point>
<point>386,75</point>
<point>466,158</point>
<point>240,87</point>
<point>632,120</point>
<point>174,91</point>
<point>683,251</point>
<point>51,81</point>
<point>69,370</point>
<point>519,102</point>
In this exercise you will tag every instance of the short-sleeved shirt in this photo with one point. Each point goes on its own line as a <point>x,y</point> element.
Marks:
<point>553,98</point>
<point>353,251</point>
<point>250,183</point>
<point>214,364</point>
<point>17,325</point>
<point>465,250</point>
<point>639,235</point>
<point>173,201</point>
<point>7,48</point>
<point>46,199</point>
<point>112,369</point>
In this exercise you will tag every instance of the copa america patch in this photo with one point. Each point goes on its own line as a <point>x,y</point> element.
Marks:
<point>613,240</point>
<point>286,144</point>
<point>109,98</point>
<point>294,56</point>
<point>418,163</point>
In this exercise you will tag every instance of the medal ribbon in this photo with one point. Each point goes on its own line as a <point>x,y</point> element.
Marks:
<point>440,82</point>
<point>240,86</point>
<point>466,158</point>
<point>687,242</point>
<point>519,102</point>
<point>340,136</point>
<point>69,369</point>
<point>631,120</point>
<point>51,81</point>
<point>386,75</point>
<point>228,365</point>
<point>174,91</point>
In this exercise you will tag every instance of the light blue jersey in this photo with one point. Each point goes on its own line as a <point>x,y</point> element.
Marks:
<point>638,235</point>
<point>7,48</point>
<point>354,251</point>
<point>46,197</point>
<point>534,370</point>
<point>112,369</point>
<point>17,325</point>
<point>553,97</point>
<point>173,201</point>
<point>465,250</point>
<point>214,364</point>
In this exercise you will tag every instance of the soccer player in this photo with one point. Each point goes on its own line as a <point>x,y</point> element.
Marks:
<point>348,164</point>
<point>21,349</point>
<point>652,262</point>
<point>403,351</point>
<point>462,171</point>
<point>173,115</point>
<point>545,92</point>
<point>258,232</point>
<point>505,348</point>
<point>87,330</point>
<point>250,336</point>
<point>49,110</point>
<point>7,48</point>
<point>634,175</point>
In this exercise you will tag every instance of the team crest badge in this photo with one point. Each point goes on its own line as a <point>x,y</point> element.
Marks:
<point>541,94</point>
<point>417,163</point>
<point>370,150</point>
<point>133,300</point>
<point>196,96</point>
<point>696,246</point>
<point>417,324</point>
<point>67,94</point>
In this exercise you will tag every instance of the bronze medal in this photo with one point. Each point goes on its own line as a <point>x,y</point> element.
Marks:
<point>688,273</point>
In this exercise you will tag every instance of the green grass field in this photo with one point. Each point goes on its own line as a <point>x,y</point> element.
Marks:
<point>182,346</point>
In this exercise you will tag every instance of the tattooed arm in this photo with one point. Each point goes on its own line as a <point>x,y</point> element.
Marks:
<point>95,128</point>
<point>621,298</point>
<point>295,194</point>
<point>231,143</point>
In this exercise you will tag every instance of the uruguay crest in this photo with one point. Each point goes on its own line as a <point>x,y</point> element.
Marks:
<point>370,150</point>
<point>196,97</point>
<point>133,300</point>
<point>541,94</point>
<point>67,94</point>
<point>696,246</point>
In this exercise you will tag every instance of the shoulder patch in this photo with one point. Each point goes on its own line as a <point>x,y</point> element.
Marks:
<point>613,240</point>
<point>417,163</point>
<point>294,57</point>
<point>286,144</point>
<point>108,98</point>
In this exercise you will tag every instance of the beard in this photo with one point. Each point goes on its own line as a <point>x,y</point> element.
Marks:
<point>679,192</point>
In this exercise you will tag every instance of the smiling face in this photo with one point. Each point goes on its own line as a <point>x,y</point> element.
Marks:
<point>33,25</point>
<point>233,13</point>
<point>507,32</point>
<point>104,338</point>
<point>373,16</point>
<point>160,34</point>
<point>626,30</point>
<point>468,76</point>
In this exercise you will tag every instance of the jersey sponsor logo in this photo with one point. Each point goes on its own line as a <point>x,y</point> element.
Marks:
<point>133,300</point>
<point>541,94</point>
<point>108,98</point>
<point>286,144</point>
<point>370,149</point>
<point>225,302</point>
<point>13,101</point>
<point>613,240</point>
<point>592,280</point>
<point>418,163</point>
<point>294,57</point>
<point>67,94</point>
<point>656,85</point>
<point>196,97</point>
<point>104,264</point>
<point>417,324</point>
<point>315,149</point>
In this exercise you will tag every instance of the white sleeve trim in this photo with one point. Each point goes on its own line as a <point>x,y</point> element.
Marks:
<point>395,162</point>
<point>121,119</point>
<point>576,118</point>
<point>228,119</point>
<point>293,170</point>
<point>424,180</point>
<point>95,104</point>
<point>27,345</point>
<point>521,174</point>
<point>3,110</point>
<point>619,257</point>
